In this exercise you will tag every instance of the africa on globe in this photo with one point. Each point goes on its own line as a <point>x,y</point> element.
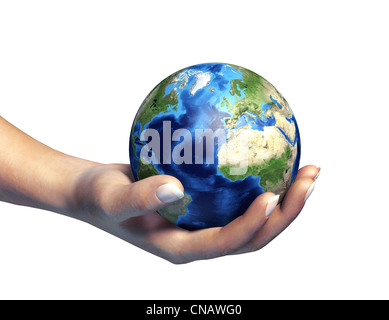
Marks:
<point>225,132</point>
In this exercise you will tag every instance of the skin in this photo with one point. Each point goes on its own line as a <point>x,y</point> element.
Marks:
<point>106,196</point>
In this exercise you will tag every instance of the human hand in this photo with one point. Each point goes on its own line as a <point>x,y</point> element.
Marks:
<point>106,197</point>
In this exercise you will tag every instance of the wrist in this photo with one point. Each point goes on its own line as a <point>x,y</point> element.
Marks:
<point>71,173</point>
<point>35,175</point>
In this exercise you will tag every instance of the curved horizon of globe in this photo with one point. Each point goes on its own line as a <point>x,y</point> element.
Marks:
<point>238,86</point>
<point>219,96</point>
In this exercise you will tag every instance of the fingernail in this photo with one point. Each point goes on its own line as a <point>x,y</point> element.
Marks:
<point>310,190</point>
<point>168,193</point>
<point>271,205</point>
<point>318,174</point>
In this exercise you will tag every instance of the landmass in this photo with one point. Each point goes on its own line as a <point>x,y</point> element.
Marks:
<point>202,79</point>
<point>287,127</point>
<point>226,103</point>
<point>266,154</point>
<point>253,91</point>
<point>178,208</point>
<point>271,172</point>
<point>157,101</point>
<point>146,170</point>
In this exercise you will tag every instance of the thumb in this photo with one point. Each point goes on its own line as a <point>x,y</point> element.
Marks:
<point>145,196</point>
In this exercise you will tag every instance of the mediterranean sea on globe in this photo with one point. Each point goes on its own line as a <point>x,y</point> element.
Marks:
<point>225,132</point>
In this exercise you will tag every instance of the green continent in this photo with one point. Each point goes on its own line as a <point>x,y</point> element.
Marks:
<point>146,170</point>
<point>271,171</point>
<point>226,103</point>
<point>157,102</point>
<point>178,208</point>
<point>256,93</point>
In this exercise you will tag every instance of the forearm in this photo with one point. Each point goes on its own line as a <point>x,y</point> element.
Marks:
<point>34,174</point>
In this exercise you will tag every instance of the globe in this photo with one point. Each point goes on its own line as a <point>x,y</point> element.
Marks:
<point>225,132</point>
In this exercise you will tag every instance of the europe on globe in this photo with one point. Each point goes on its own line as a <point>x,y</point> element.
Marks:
<point>225,132</point>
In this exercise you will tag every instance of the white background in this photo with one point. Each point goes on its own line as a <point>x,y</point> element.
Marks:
<point>72,75</point>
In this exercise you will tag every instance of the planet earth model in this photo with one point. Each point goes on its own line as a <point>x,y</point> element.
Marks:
<point>225,132</point>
